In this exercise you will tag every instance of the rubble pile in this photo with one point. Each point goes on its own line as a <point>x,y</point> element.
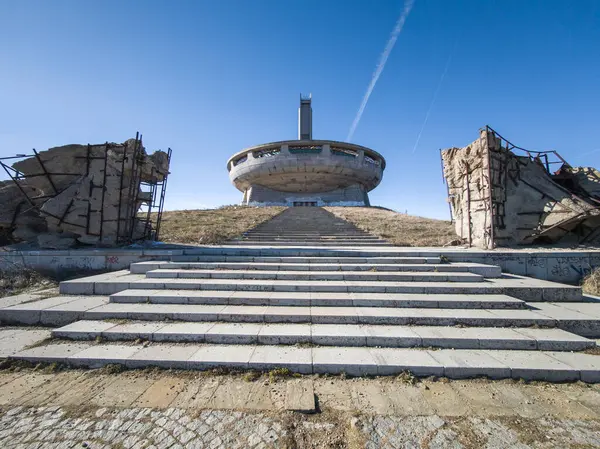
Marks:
<point>80,194</point>
<point>500,198</point>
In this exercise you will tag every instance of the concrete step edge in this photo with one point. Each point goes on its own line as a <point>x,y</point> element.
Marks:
<point>328,335</point>
<point>355,361</point>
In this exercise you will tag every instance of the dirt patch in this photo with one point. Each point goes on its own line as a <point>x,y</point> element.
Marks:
<point>213,226</point>
<point>399,229</point>
<point>24,280</point>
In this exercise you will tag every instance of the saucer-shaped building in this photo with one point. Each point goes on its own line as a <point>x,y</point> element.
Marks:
<point>306,172</point>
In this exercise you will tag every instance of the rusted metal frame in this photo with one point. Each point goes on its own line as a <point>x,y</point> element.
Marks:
<point>58,218</point>
<point>16,181</point>
<point>16,214</point>
<point>161,202</point>
<point>64,215</point>
<point>121,193</point>
<point>88,216</point>
<point>39,159</point>
<point>491,195</point>
<point>467,179</point>
<point>106,147</point>
<point>135,184</point>
<point>16,156</point>
<point>443,181</point>
<point>150,203</point>
<point>590,235</point>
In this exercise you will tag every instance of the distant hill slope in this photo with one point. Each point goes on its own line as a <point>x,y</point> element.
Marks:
<point>399,229</point>
<point>213,226</point>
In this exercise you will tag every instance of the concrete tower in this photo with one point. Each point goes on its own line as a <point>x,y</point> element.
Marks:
<point>306,172</point>
<point>305,118</point>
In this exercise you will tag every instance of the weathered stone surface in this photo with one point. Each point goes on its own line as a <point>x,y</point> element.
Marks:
<point>90,193</point>
<point>501,197</point>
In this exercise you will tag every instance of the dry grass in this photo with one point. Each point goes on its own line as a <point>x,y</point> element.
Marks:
<point>23,280</point>
<point>399,229</point>
<point>212,226</point>
<point>591,283</point>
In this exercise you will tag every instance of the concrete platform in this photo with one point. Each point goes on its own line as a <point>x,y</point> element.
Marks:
<point>356,361</point>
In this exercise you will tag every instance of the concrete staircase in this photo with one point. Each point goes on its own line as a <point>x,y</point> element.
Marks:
<point>310,292</point>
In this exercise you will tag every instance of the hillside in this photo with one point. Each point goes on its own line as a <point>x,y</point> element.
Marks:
<point>213,226</point>
<point>399,229</point>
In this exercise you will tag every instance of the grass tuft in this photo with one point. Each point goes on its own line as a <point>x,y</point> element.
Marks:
<point>591,283</point>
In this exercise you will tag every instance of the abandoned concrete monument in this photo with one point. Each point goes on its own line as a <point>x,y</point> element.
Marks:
<point>100,195</point>
<point>504,195</point>
<point>306,172</point>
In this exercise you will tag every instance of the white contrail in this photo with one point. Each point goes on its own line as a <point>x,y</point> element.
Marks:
<point>437,91</point>
<point>408,4</point>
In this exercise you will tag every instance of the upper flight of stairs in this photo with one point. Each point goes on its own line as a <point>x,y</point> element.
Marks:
<point>312,293</point>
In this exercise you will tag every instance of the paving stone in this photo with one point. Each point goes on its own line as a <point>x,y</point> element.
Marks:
<point>16,341</point>
<point>465,363</point>
<point>284,333</point>
<point>300,396</point>
<point>97,356</point>
<point>354,361</point>
<point>51,353</point>
<point>183,332</point>
<point>83,330</point>
<point>556,339</point>
<point>231,356</point>
<point>164,356</point>
<point>30,312</point>
<point>587,364</point>
<point>132,331</point>
<point>396,336</point>
<point>71,311</point>
<point>535,365</point>
<point>266,358</point>
<point>338,335</point>
<point>395,361</point>
<point>233,333</point>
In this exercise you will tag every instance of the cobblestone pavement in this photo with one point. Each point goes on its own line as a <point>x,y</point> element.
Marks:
<point>137,428</point>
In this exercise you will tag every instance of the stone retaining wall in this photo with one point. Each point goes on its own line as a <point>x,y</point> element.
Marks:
<point>564,266</point>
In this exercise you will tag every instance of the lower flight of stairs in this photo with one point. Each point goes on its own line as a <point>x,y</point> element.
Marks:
<point>356,308</point>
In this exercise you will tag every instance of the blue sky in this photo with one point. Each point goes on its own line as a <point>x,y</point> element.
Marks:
<point>208,78</point>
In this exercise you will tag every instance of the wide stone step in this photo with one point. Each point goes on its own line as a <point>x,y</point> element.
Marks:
<point>304,260</point>
<point>328,335</point>
<point>308,251</point>
<point>317,299</point>
<point>490,271</point>
<point>455,364</point>
<point>308,243</point>
<point>320,315</point>
<point>310,239</point>
<point>414,276</point>
<point>275,235</point>
<point>521,287</point>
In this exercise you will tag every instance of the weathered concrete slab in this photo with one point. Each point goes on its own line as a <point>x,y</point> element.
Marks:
<point>300,396</point>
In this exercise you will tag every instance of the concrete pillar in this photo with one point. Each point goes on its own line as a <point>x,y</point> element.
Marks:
<point>285,149</point>
<point>326,149</point>
<point>361,156</point>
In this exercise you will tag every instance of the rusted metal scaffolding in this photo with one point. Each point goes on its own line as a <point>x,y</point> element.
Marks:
<point>145,208</point>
